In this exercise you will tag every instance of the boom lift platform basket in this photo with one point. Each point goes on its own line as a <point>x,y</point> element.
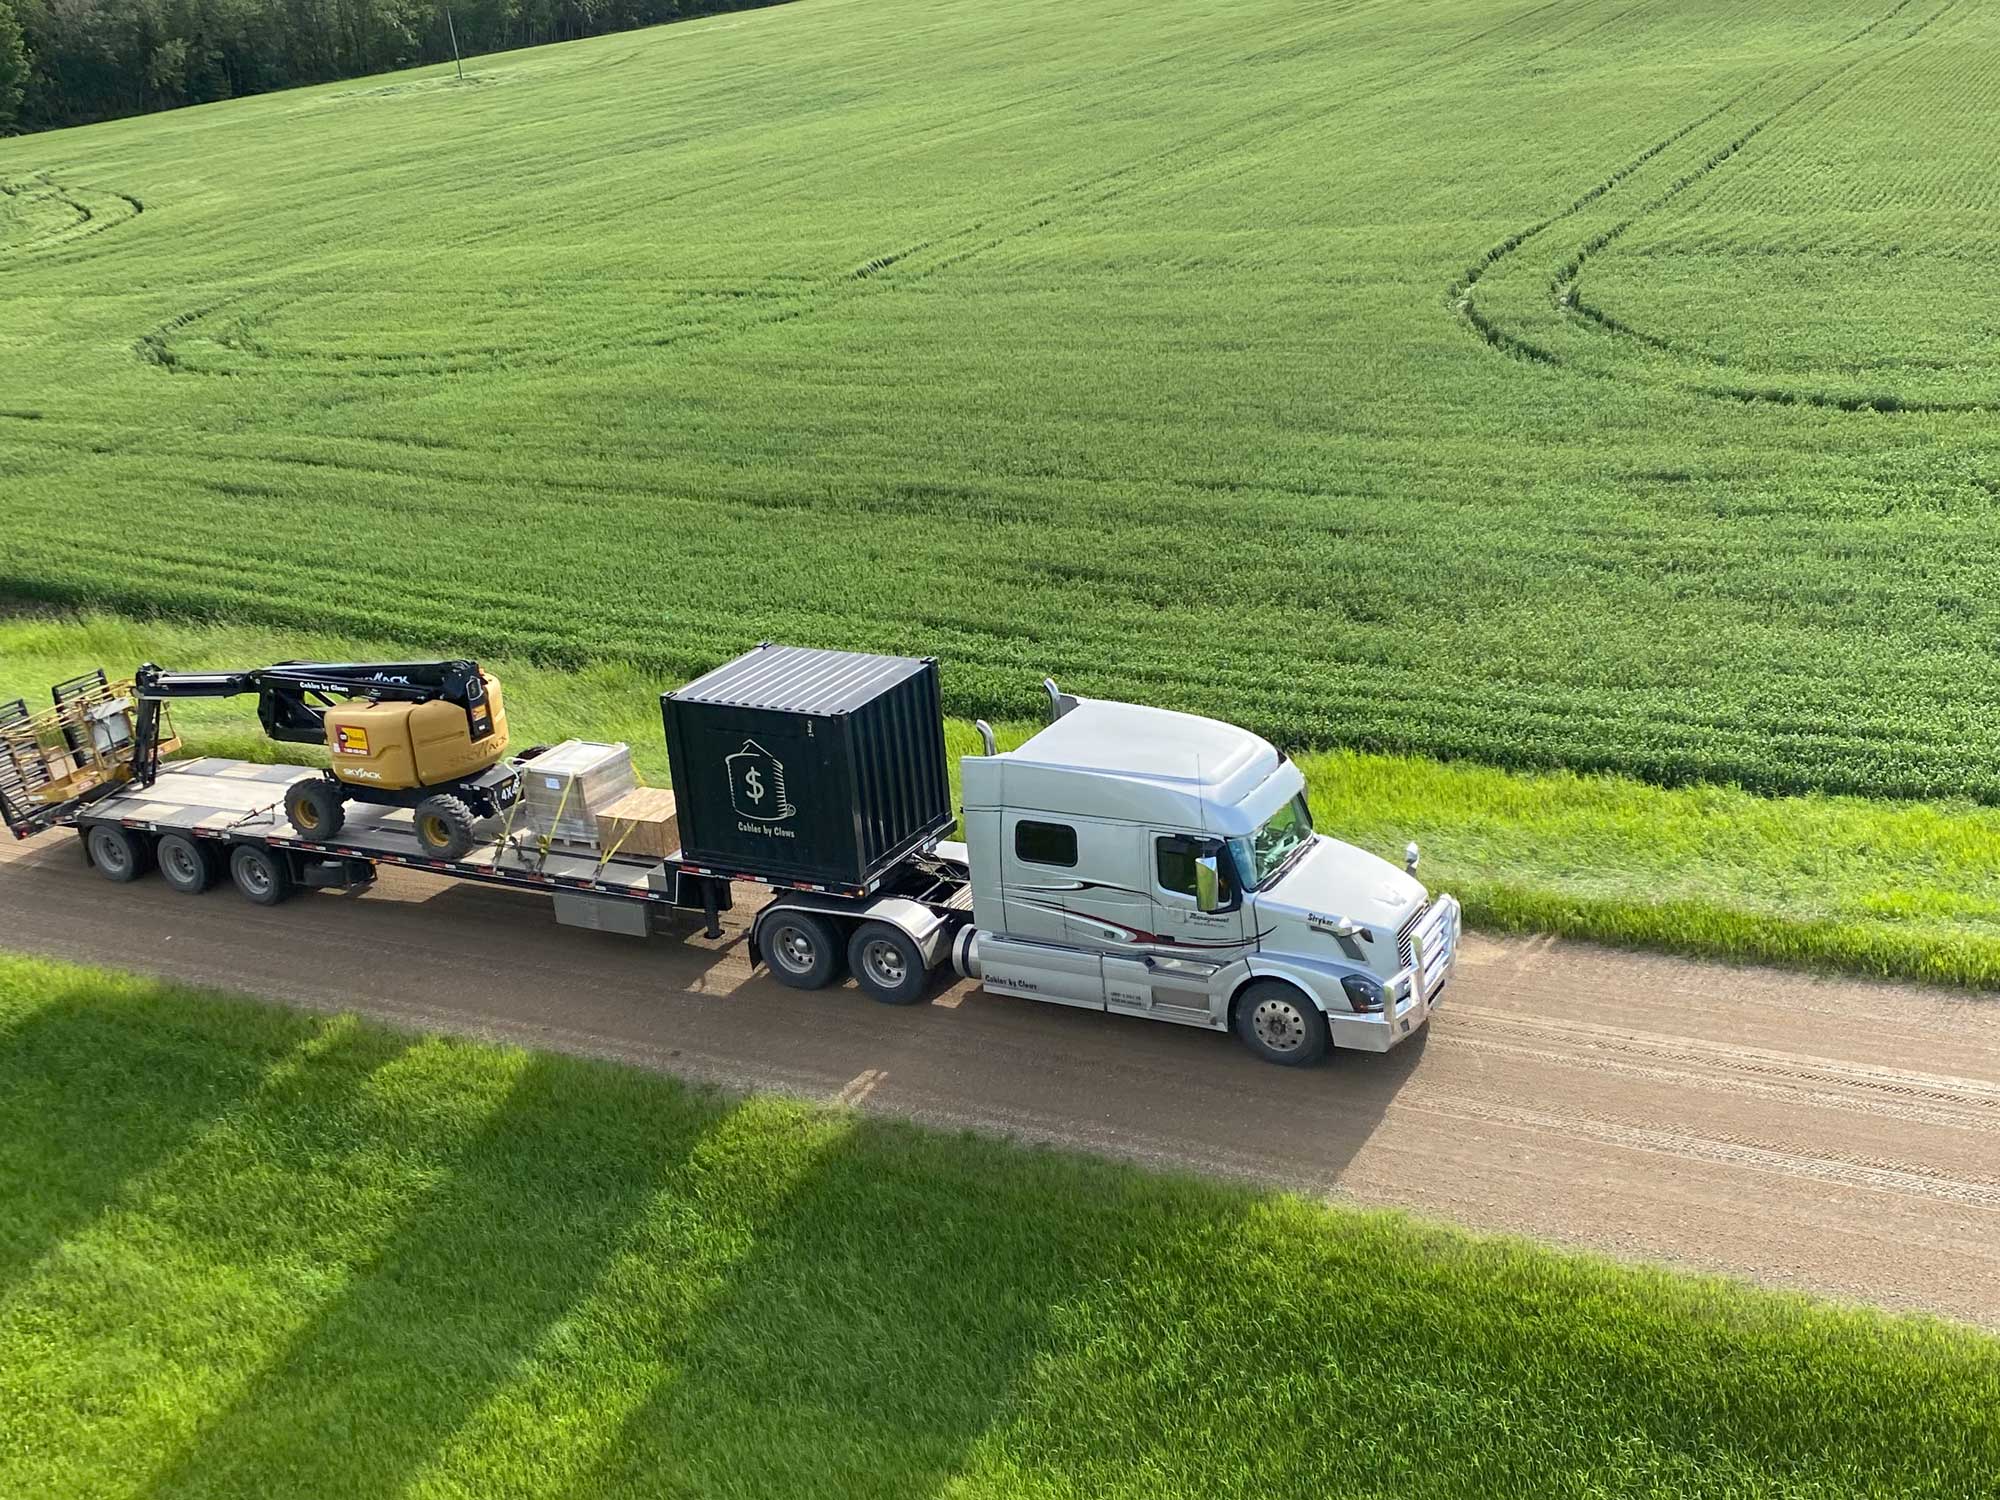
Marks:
<point>59,760</point>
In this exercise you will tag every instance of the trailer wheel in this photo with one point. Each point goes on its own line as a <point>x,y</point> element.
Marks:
<point>118,853</point>
<point>259,874</point>
<point>887,965</point>
<point>315,807</point>
<point>800,950</point>
<point>1279,1023</point>
<point>444,827</point>
<point>188,865</point>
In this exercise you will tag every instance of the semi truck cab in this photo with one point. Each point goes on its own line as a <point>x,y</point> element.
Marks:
<point>1160,864</point>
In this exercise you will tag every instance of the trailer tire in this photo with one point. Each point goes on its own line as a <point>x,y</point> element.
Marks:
<point>188,865</point>
<point>445,827</point>
<point>801,950</point>
<point>261,875</point>
<point>1280,1023</point>
<point>315,807</point>
<point>118,853</point>
<point>887,965</point>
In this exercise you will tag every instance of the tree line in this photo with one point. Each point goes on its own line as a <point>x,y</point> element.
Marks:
<point>64,62</point>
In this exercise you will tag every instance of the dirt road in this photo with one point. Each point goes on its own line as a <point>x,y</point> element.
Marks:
<point>1836,1136</point>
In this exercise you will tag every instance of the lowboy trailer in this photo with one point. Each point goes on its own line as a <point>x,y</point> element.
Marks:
<point>1125,859</point>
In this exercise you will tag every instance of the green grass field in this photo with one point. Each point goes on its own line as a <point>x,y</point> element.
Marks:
<point>248,1253</point>
<point>1908,889</point>
<point>1586,383</point>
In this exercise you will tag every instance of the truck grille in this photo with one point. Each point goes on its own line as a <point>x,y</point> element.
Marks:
<point>1405,948</point>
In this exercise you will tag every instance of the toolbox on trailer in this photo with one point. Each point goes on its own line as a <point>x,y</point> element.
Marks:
<point>822,768</point>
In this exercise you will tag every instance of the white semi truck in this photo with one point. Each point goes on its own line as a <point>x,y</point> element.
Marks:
<point>1123,859</point>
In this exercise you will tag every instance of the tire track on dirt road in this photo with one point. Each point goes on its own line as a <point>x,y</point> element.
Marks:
<point>1831,1135</point>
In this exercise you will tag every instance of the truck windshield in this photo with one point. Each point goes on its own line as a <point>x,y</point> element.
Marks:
<point>1263,856</point>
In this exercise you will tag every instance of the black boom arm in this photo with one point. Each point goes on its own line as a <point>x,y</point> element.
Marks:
<point>293,696</point>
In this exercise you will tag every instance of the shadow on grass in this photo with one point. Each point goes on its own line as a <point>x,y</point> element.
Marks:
<point>533,1208</point>
<point>93,1096</point>
<point>879,1324</point>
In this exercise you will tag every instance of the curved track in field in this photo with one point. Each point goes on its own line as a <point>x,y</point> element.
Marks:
<point>1564,290</point>
<point>43,213</point>
<point>1837,1136</point>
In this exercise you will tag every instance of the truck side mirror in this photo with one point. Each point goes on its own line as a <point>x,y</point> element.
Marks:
<point>1207,882</point>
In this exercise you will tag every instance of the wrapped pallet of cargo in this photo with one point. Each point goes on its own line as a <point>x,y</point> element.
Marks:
<point>564,789</point>
<point>822,768</point>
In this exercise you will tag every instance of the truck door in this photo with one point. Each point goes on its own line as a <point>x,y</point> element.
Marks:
<point>1175,978</point>
<point>1184,930</point>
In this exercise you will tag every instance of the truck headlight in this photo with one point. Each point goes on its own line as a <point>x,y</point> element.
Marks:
<point>1363,992</point>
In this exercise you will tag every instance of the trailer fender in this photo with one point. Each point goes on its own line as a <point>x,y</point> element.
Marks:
<point>924,927</point>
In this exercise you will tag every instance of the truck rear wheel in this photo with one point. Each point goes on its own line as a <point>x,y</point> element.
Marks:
<point>315,807</point>
<point>800,950</point>
<point>188,865</point>
<point>118,853</point>
<point>887,965</point>
<point>1280,1023</point>
<point>260,875</point>
<point>444,827</point>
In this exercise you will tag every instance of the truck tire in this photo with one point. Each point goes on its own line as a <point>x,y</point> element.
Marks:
<point>118,853</point>
<point>188,865</point>
<point>886,964</point>
<point>260,874</point>
<point>316,807</point>
<point>444,827</point>
<point>1281,1024</point>
<point>800,950</point>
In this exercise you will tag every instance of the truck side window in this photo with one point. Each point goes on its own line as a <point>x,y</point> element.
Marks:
<point>1173,860</point>
<point>1045,843</point>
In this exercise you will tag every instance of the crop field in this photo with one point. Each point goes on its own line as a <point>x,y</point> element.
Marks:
<point>246,1252</point>
<point>1607,384</point>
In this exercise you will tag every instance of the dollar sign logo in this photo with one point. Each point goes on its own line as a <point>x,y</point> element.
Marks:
<point>754,784</point>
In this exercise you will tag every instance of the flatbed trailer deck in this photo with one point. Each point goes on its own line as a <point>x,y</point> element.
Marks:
<point>223,805</point>
<point>233,802</point>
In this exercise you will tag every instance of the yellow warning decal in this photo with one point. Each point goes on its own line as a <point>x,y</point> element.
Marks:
<point>351,740</point>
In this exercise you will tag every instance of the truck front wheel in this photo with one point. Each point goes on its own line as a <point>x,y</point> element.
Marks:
<point>1280,1023</point>
<point>800,950</point>
<point>887,965</point>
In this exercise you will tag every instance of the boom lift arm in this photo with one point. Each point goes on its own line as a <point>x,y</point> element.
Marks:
<point>293,697</point>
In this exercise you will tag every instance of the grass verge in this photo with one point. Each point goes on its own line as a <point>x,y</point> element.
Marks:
<point>248,1252</point>
<point>1894,889</point>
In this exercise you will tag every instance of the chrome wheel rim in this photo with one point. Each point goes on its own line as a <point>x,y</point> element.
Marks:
<point>883,962</point>
<point>794,949</point>
<point>1279,1024</point>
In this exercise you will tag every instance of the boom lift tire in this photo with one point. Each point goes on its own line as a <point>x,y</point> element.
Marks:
<point>1281,1024</point>
<point>260,875</point>
<point>188,865</point>
<point>444,827</point>
<point>316,807</point>
<point>886,964</point>
<point>801,950</point>
<point>118,853</point>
